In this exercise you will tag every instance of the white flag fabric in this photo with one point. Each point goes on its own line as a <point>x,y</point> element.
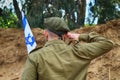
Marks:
<point>30,40</point>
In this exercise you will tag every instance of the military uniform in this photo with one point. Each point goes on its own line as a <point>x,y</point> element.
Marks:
<point>60,61</point>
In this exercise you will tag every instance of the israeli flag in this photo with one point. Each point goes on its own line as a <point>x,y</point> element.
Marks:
<point>30,40</point>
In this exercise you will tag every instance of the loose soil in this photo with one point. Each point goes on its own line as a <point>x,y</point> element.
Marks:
<point>13,52</point>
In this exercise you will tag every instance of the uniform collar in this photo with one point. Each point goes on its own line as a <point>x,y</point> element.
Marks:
<point>54,42</point>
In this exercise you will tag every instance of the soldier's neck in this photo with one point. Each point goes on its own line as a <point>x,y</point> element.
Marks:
<point>53,38</point>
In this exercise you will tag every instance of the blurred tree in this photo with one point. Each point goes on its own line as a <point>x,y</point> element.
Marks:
<point>1,12</point>
<point>73,11</point>
<point>36,10</point>
<point>105,10</point>
<point>81,12</point>
<point>18,13</point>
<point>7,18</point>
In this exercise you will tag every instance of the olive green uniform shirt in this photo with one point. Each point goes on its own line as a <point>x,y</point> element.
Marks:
<point>59,61</point>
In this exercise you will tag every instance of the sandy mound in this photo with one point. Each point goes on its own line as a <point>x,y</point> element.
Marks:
<point>13,52</point>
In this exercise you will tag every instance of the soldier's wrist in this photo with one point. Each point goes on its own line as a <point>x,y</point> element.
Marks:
<point>83,37</point>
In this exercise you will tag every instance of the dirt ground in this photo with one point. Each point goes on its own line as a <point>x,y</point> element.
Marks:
<point>13,52</point>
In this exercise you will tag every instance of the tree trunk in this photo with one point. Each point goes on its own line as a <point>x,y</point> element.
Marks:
<point>18,13</point>
<point>81,12</point>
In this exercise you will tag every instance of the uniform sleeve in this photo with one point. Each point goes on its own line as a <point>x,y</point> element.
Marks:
<point>96,46</point>
<point>29,72</point>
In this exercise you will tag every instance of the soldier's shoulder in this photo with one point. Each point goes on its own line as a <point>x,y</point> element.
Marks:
<point>36,49</point>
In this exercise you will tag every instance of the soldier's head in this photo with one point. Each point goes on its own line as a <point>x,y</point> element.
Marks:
<point>55,27</point>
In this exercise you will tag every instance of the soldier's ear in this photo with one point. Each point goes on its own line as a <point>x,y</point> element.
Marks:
<point>45,33</point>
<point>64,36</point>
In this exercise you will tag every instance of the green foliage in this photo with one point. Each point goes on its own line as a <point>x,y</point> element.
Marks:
<point>37,10</point>
<point>88,25</point>
<point>34,12</point>
<point>105,10</point>
<point>7,19</point>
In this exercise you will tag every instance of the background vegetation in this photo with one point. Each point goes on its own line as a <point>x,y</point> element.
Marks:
<point>73,12</point>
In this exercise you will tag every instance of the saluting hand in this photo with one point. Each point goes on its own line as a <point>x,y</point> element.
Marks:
<point>73,36</point>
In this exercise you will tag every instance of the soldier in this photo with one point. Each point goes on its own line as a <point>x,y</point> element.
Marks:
<point>60,61</point>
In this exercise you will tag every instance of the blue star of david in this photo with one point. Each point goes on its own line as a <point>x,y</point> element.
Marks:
<point>28,38</point>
